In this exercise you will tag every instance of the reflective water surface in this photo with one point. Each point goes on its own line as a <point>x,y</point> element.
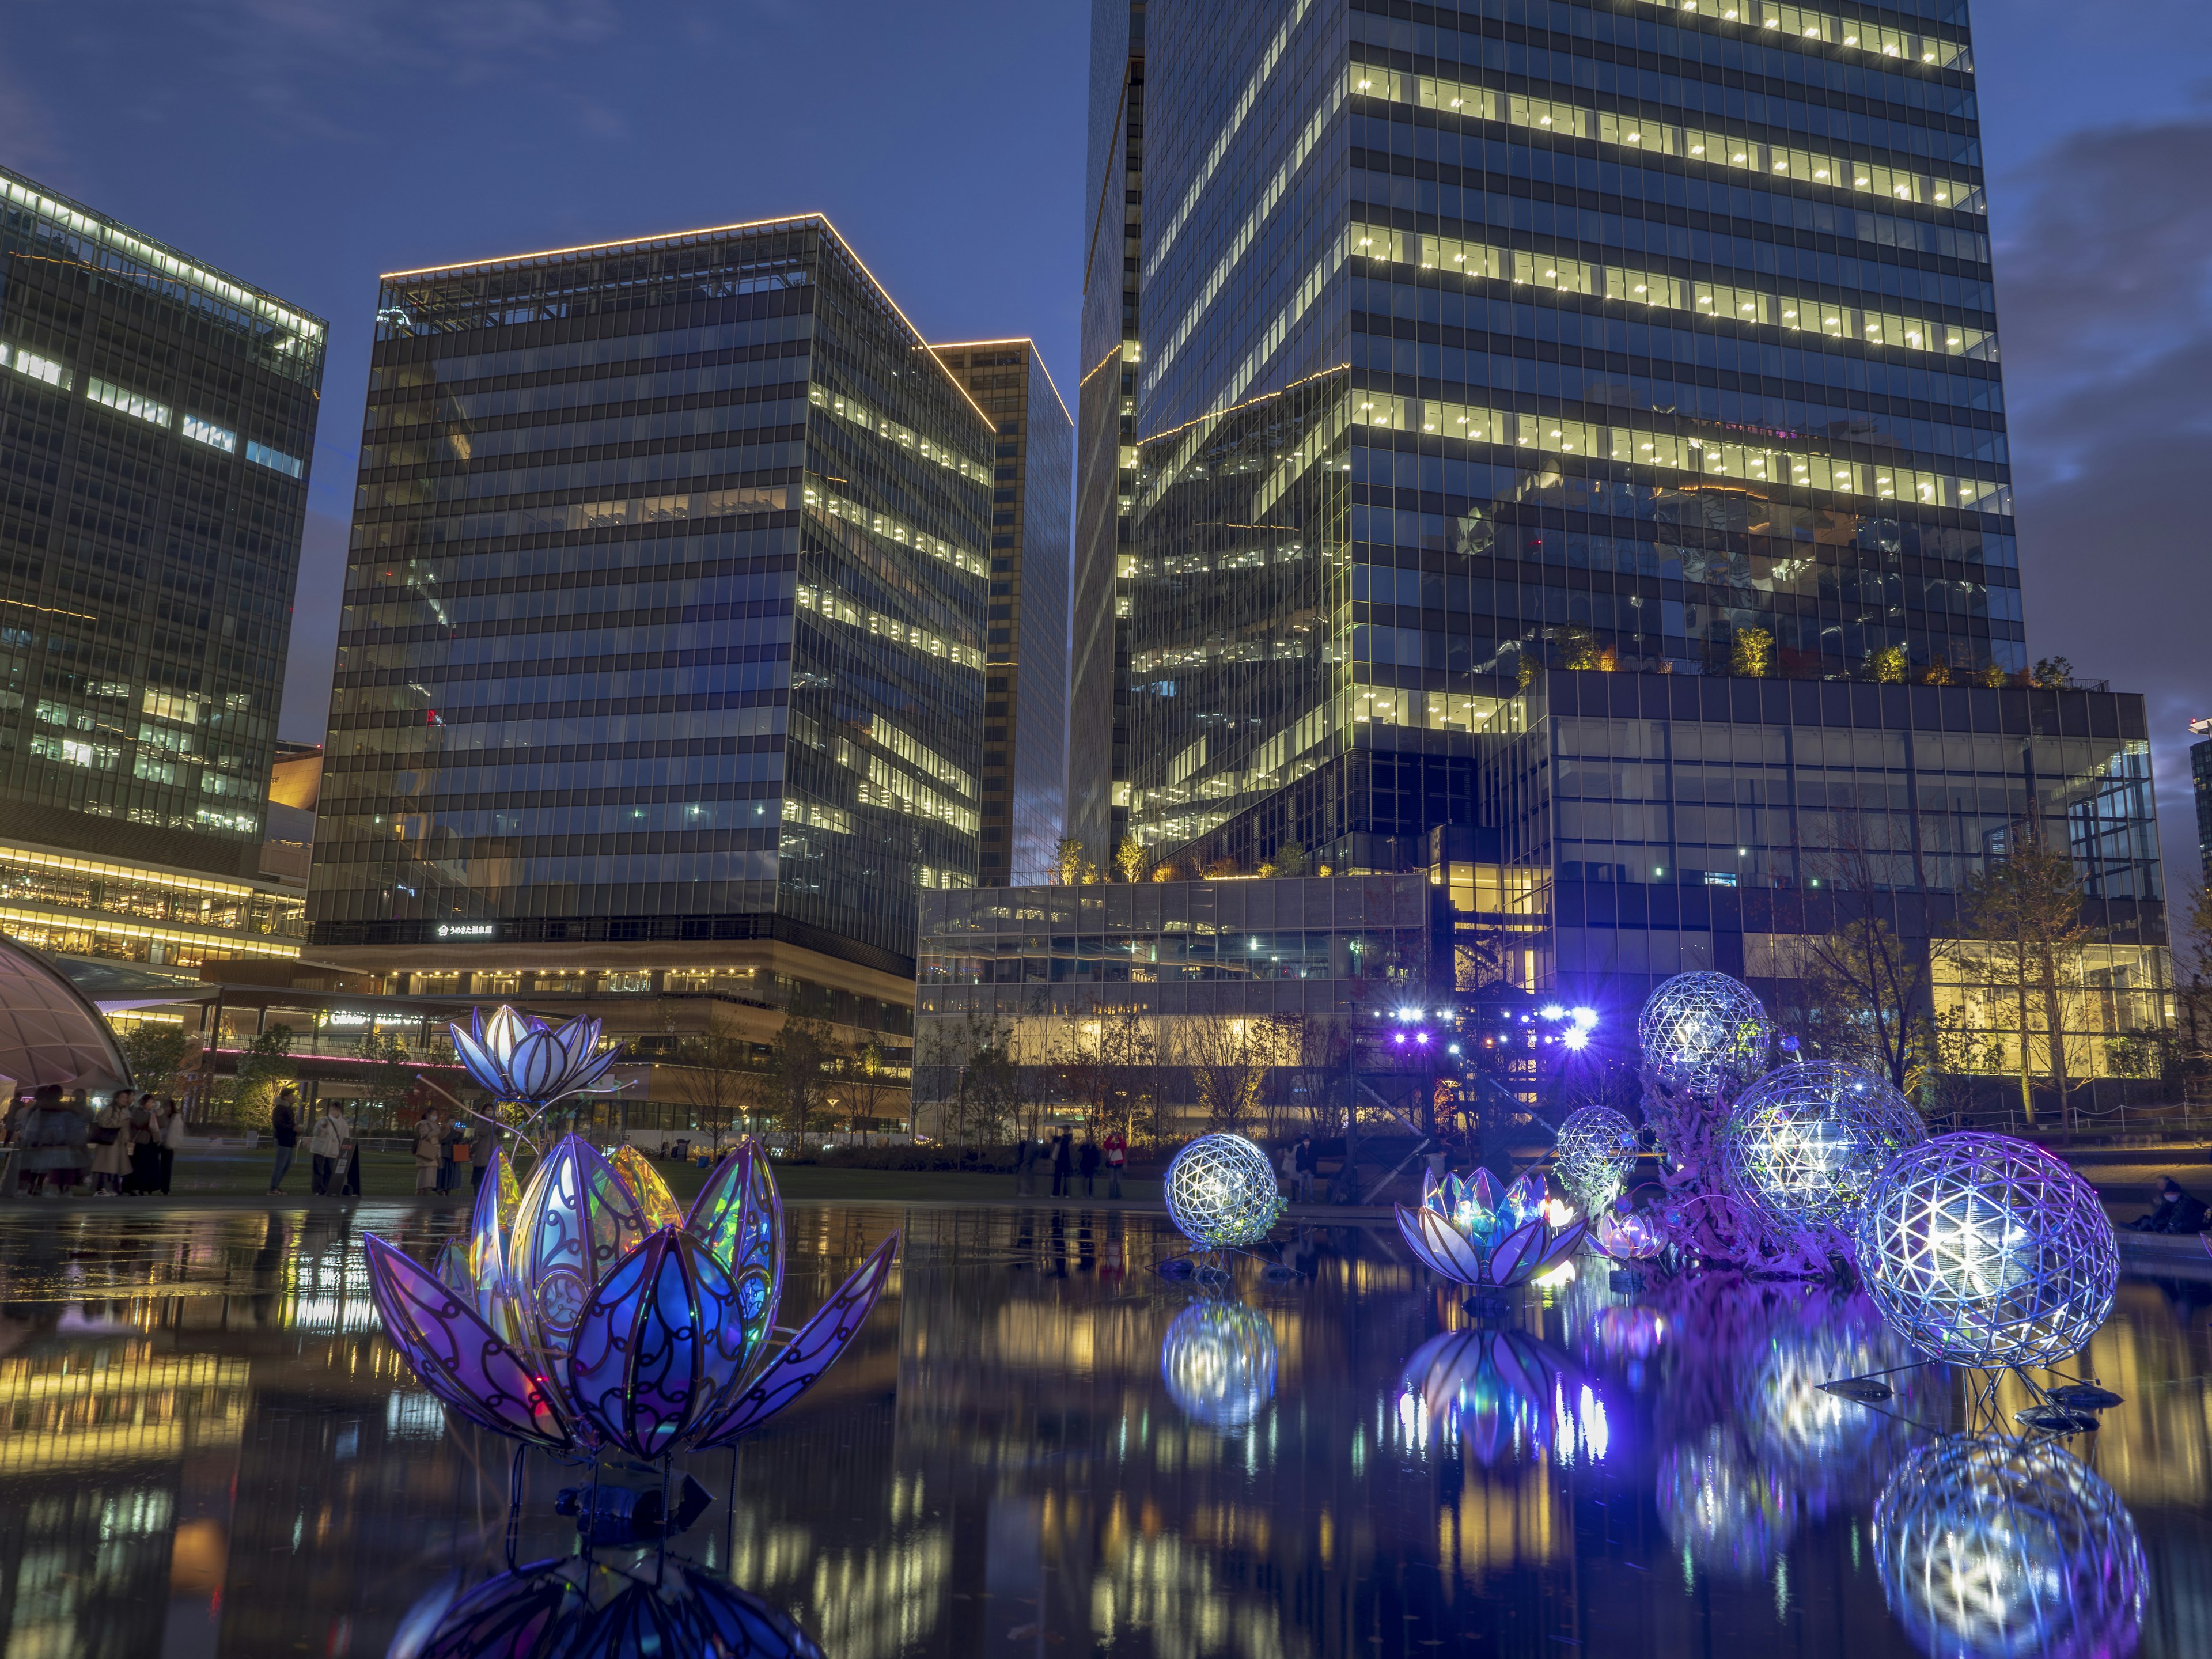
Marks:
<point>1039,1445</point>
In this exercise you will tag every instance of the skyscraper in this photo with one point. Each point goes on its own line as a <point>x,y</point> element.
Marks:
<point>662,665</point>
<point>1024,778</point>
<point>1652,336</point>
<point>156,420</point>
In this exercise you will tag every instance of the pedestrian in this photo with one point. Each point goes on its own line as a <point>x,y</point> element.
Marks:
<point>1303,1160</point>
<point>59,1135</point>
<point>453,1147</point>
<point>110,1148</point>
<point>42,1137</point>
<point>1087,1161</point>
<point>172,1136</point>
<point>1117,1154</point>
<point>145,1138</point>
<point>480,1146</point>
<point>429,1143</point>
<point>349,1186</point>
<point>2173,1210</point>
<point>284,1130</point>
<point>1025,1160</point>
<point>1063,1162</point>
<point>326,1146</point>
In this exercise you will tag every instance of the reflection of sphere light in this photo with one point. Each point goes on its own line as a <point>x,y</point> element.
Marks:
<point>1592,1154</point>
<point>1721,1510</point>
<point>1993,1548</point>
<point>1984,1250</point>
<point>1805,1142</point>
<point>1702,1032</point>
<point>1218,1362</point>
<point>1221,1190</point>
<point>1828,1443</point>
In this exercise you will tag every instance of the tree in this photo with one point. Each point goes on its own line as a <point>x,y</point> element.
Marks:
<point>868,1082</point>
<point>984,1101</point>
<point>1131,858</point>
<point>159,1053</point>
<point>1071,864</point>
<point>1136,1080</point>
<point>1229,1057</point>
<point>1290,860</point>
<point>718,1075</point>
<point>2020,920</point>
<point>1889,666</point>
<point>793,1089</point>
<point>388,1076</point>
<point>1753,654</point>
<point>1949,1051</point>
<point>262,1067</point>
<point>1079,1065</point>
<point>2051,674</point>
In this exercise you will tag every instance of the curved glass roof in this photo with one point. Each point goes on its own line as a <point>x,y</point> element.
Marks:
<point>49,1033</point>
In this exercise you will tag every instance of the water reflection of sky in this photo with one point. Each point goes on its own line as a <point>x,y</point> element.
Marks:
<point>1038,1445</point>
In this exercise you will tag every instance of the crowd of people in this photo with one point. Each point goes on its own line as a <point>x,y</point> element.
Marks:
<point>126,1148</point>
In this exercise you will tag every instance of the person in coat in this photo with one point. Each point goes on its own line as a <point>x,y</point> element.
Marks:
<point>1086,1160</point>
<point>55,1140</point>
<point>429,1147</point>
<point>326,1146</point>
<point>2173,1211</point>
<point>284,1131</point>
<point>111,1144</point>
<point>1063,1162</point>
<point>172,1136</point>
<point>480,1146</point>
<point>1117,1158</point>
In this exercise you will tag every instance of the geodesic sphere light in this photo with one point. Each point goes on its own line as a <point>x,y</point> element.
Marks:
<point>1703,1032</point>
<point>1986,1251</point>
<point>1592,1156</point>
<point>1989,1548</point>
<point>1221,1190</point>
<point>1805,1143</point>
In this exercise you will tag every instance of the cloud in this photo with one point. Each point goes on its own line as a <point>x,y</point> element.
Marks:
<point>2105,303</point>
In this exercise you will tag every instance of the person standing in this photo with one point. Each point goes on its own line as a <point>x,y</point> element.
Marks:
<point>429,1144</point>
<point>284,1130</point>
<point>453,1147</point>
<point>1117,1155</point>
<point>1025,1162</point>
<point>1063,1162</point>
<point>145,1148</point>
<point>66,1143</point>
<point>1087,1161</point>
<point>111,1144</point>
<point>1303,1160</point>
<point>326,1146</point>
<point>172,1136</point>
<point>480,1146</point>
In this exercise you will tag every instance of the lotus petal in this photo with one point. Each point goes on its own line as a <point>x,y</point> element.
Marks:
<point>451,1270</point>
<point>1483,1191</point>
<point>574,1221</point>
<point>539,1063</point>
<point>578,1037</point>
<point>1430,1186</point>
<point>738,1215</point>
<point>1565,1244</point>
<point>1524,1199</point>
<point>503,1035</point>
<point>458,1356</point>
<point>1521,1365</point>
<point>1440,1244</point>
<point>1517,1253</point>
<point>655,1201</point>
<point>479,1064</point>
<point>802,1360</point>
<point>507,1617</point>
<point>658,1345</point>
<point>490,1228</point>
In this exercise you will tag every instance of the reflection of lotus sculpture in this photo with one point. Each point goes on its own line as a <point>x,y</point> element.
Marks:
<point>1218,1362</point>
<point>575,1609</point>
<point>1994,1548</point>
<point>516,1057</point>
<point>1486,1390</point>
<point>590,1311</point>
<point>1471,1233</point>
<point>1721,1509</point>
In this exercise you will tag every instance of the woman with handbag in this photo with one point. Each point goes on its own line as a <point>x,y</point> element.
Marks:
<point>111,1151</point>
<point>428,1150</point>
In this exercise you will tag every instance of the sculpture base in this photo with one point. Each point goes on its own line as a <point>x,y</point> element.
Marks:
<point>2058,1420</point>
<point>1627,1281</point>
<point>1488,1305</point>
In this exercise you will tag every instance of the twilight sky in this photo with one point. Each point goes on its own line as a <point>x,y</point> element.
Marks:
<point>307,146</point>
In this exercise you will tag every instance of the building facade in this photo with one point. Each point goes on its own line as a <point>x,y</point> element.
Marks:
<point>1661,336</point>
<point>663,657</point>
<point>1025,712</point>
<point>157,416</point>
<point>2200,777</point>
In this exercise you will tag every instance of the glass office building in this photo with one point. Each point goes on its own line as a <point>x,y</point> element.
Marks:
<point>663,651</point>
<point>156,420</point>
<point>1025,714</point>
<point>1552,334</point>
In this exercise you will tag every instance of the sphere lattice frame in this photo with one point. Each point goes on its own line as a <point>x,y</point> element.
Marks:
<point>1703,1033</point>
<point>1805,1144</point>
<point>1593,1155</point>
<point>1989,1252</point>
<point>1989,1548</point>
<point>1221,1191</point>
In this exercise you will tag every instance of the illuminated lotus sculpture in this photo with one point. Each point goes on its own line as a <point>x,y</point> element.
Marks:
<point>1989,1252</point>
<point>1634,1237</point>
<point>1989,1548</point>
<point>516,1057</point>
<point>1473,1234</point>
<point>590,1312</point>
<point>1704,1033</point>
<point>1804,1144</point>
<point>1593,1155</point>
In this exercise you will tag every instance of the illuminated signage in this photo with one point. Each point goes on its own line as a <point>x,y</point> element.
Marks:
<point>468,930</point>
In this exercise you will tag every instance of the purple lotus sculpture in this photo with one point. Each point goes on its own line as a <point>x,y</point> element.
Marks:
<point>519,1058</point>
<point>1632,1236</point>
<point>590,1312</point>
<point>1470,1232</point>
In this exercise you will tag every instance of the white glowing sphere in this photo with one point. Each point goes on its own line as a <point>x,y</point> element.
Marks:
<point>1221,1190</point>
<point>1986,1251</point>
<point>1805,1143</point>
<point>1593,1155</point>
<point>1701,1033</point>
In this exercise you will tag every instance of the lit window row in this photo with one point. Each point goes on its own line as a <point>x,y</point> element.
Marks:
<point>1715,458</point>
<point>1805,24</point>
<point>45,370</point>
<point>888,787</point>
<point>859,414</point>
<point>1647,288</point>
<point>203,431</point>
<point>833,506</point>
<point>1664,138</point>
<point>835,607</point>
<point>919,755</point>
<point>126,402</point>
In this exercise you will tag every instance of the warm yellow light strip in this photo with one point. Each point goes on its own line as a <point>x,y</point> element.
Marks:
<point>233,944</point>
<point>12,853</point>
<point>1803,22</point>
<point>1020,340</point>
<point>642,243</point>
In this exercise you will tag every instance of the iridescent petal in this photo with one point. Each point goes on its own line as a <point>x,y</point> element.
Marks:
<point>1524,1199</point>
<point>658,1345</point>
<point>539,1063</point>
<point>1484,1190</point>
<point>451,1270</point>
<point>1516,1253</point>
<point>801,1361</point>
<point>1566,1243</point>
<point>650,1191</point>
<point>1440,1244</point>
<point>458,1356</point>
<point>574,1221</point>
<point>738,1215</point>
<point>490,1229</point>
<point>479,1064</point>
